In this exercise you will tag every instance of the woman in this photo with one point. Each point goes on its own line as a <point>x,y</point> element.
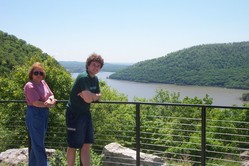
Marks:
<point>39,98</point>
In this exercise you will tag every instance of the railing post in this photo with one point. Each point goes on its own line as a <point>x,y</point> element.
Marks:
<point>203,136</point>
<point>137,134</point>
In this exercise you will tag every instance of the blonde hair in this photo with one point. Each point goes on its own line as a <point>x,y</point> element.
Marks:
<point>36,65</point>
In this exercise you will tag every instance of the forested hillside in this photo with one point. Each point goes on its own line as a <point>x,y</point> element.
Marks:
<point>17,57</point>
<point>221,65</point>
<point>14,51</point>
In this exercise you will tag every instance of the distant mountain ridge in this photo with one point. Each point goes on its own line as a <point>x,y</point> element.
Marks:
<point>221,65</point>
<point>77,67</point>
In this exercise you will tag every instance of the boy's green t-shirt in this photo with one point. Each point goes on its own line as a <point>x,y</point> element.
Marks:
<point>82,82</point>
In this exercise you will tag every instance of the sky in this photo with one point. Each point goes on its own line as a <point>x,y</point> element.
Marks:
<point>123,31</point>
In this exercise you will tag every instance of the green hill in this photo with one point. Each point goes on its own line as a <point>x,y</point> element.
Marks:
<point>220,65</point>
<point>14,51</point>
<point>16,59</point>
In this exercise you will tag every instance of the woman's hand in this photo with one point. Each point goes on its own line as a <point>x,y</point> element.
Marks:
<point>50,102</point>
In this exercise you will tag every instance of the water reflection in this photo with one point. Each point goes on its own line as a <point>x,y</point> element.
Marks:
<point>221,96</point>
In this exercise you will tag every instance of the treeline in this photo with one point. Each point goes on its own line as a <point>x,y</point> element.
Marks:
<point>220,65</point>
<point>77,67</point>
<point>14,51</point>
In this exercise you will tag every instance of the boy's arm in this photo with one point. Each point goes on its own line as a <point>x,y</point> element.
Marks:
<point>88,96</point>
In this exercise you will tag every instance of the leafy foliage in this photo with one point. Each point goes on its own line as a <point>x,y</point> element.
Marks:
<point>221,65</point>
<point>59,158</point>
<point>14,51</point>
<point>245,97</point>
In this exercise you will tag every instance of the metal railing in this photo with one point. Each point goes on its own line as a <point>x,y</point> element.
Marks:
<point>180,134</point>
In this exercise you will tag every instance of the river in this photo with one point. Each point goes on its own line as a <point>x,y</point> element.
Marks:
<point>221,96</point>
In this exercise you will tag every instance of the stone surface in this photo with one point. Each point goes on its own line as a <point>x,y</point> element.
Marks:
<point>245,157</point>
<point>18,156</point>
<point>115,154</point>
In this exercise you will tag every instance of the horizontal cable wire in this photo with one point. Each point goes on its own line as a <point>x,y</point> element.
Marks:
<point>151,141</point>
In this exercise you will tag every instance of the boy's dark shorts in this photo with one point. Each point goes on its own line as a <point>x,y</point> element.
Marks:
<point>79,129</point>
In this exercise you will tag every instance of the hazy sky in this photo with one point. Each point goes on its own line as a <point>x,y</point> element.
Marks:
<point>123,30</point>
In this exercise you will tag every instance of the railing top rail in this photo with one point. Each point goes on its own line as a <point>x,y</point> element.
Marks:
<point>144,103</point>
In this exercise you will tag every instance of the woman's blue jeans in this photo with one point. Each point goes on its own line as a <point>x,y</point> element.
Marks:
<point>37,122</point>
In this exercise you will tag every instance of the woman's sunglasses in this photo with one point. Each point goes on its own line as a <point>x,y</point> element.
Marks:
<point>36,73</point>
